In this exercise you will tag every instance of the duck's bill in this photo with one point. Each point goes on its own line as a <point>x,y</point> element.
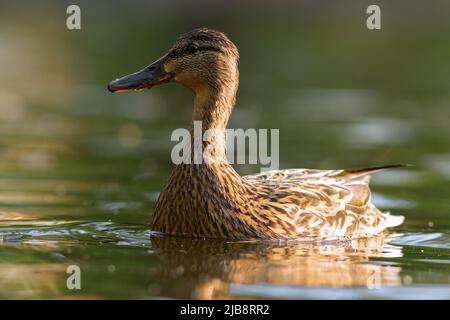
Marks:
<point>145,78</point>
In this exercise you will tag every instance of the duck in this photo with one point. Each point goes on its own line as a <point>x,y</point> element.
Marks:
<point>210,199</point>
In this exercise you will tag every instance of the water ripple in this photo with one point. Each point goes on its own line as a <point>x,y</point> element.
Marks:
<point>432,240</point>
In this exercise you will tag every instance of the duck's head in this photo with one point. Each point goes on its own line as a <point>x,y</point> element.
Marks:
<point>202,58</point>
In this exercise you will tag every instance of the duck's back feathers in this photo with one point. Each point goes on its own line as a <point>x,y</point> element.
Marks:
<point>324,203</point>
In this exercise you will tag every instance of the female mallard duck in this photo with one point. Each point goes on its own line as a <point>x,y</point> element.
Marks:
<point>212,200</point>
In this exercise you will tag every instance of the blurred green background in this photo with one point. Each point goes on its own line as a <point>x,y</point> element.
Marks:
<point>81,168</point>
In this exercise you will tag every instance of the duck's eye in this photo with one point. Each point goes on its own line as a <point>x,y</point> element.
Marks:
<point>192,48</point>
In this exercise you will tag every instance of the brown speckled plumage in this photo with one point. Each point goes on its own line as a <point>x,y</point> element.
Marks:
<point>212,200</point>
<point>296,204</point>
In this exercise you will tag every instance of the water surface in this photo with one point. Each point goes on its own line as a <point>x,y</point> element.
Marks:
<point>81,169</point>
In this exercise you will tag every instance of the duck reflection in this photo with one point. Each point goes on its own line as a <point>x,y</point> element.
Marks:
<point>207,269</point>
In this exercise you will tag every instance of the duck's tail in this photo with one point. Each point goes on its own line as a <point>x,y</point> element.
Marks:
<point>393,221</point>
<point>356,173</point>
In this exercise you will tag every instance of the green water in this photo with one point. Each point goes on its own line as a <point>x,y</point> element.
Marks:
<point>80,168</point>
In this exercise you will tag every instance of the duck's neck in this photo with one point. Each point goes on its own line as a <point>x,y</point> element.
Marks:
<point>212,109</point>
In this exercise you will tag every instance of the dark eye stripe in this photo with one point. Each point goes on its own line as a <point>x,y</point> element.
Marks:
<point>181,52</point>
<point>209,48</point>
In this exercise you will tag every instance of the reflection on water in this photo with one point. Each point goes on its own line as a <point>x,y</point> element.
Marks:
<point>35,256</point>
<point>30,280</point>
<point>193,268</point>
<point>205,269</point>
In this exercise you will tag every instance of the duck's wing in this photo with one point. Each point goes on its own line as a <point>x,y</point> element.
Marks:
<point>320,203</point>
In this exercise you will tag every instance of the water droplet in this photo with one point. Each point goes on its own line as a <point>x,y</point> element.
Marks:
<point>111,268</point>
<point>130,135</point>
<point>407,280</point>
